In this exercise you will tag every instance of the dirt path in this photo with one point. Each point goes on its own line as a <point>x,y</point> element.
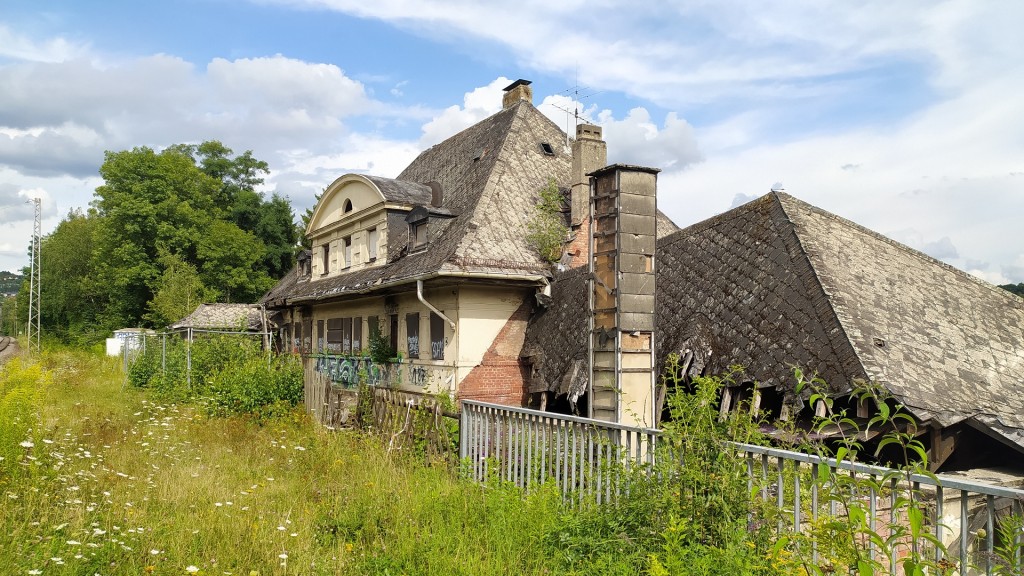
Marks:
<point>8,348</point>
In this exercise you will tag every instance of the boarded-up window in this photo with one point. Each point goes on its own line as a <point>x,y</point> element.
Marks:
<point>372,238</point>
<point>334,335</point>
<point>320,334</point>
<point>357,335</point>
<point>346,336</point>
<point>412,334</point>
<point>307,335</point>
<point>393,334</point>
<point>373,326</point>
<point>436,337</point>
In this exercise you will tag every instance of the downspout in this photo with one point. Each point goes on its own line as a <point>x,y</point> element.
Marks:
<point>419,295</point>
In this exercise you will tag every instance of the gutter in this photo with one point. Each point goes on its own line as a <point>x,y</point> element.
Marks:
<point>373,287</point>
<point>419,295</point>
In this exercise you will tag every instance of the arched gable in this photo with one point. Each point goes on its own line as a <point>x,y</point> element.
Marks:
<point>348,194</point>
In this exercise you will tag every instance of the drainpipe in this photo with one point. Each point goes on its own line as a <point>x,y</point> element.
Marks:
<point>419,294</point>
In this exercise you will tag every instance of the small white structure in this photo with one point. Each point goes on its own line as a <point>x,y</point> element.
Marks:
<point>127,338</point>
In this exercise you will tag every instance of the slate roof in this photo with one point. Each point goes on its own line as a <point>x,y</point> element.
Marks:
<point>223,317</point>
<point>401,191</point>
<point>778,283</point>
<point>490,175</point>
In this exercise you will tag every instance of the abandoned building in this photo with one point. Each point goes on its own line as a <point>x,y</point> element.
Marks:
<point>776,284</point>
<point>434,260</point>
<point>439,255</point>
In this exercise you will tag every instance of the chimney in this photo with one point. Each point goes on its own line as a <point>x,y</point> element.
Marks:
<point>623,228</point>
<point>589,152</point>
<point>516,91</point>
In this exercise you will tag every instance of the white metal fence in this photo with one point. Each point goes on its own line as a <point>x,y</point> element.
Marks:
<point>588,458</point>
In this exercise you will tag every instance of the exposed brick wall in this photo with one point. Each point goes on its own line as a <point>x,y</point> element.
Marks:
<point>501,377</point>
<point>578,248</point>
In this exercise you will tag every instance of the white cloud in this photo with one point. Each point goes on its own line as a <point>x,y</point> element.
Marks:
<point>476,105</point>
<point>20,47</point>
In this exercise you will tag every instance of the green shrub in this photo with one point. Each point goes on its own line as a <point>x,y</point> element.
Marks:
<point>263,387</point>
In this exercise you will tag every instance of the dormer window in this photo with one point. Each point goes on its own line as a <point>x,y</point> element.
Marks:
<point>417,219</point>
<point>417,234</point>
<point>347,206</point>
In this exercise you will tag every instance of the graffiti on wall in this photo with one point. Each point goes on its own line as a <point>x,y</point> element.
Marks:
<point>346,371</point>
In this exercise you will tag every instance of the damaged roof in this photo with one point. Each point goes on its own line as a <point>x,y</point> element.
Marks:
<point>491,174</point>
<point>778,283</point>
<point>223,317</point>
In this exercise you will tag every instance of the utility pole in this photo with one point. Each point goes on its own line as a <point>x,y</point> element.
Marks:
<point>33,281</point>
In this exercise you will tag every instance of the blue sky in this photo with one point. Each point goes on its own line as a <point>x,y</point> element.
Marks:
<point>904,117</point>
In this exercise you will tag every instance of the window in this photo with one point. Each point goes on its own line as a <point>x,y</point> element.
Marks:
<point>334,335</point>
<point>326,266</point>
<point>320,335</point>
<point>371,240</point>
<point>346,336</point>
<point>348,251</point>
<point>373,326</point>
<point>393,334</point>
<point>547,149</point>
<point>412,334</point>
<point>357,335</point>
<point>418,234</point>
<point>307,335</point>
<point>347,206</point>
<point>436,337</point>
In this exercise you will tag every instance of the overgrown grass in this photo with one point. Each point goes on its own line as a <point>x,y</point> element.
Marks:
<point>118,482</point>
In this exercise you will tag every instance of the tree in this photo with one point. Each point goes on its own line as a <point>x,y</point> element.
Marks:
<point>69,296</point>
<point>1017,289</point>
<point>180,291</point>
<point>547,231</point>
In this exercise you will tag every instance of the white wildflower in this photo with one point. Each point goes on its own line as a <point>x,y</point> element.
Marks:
<point>27,444</point>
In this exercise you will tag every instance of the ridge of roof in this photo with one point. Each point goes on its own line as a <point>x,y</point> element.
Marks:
<point>790,202</point>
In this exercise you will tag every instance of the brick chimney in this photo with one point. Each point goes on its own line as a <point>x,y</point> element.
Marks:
<point>589,152</point>
<point>624,229</point>
<point>516,91</point>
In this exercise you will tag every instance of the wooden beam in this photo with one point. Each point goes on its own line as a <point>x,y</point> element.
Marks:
<point>943,442</point>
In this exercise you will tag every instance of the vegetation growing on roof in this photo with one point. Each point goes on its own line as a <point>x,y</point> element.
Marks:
<point>547,230</point>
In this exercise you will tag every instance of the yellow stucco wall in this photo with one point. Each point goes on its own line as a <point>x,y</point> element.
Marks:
<point>479,314</point>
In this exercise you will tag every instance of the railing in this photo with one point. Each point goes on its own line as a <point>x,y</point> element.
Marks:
<point>587,458</point>
<point>582,457</point>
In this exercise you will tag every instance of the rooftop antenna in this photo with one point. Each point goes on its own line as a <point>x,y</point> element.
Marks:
<point>578,94</point>
<point>34,278</point>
